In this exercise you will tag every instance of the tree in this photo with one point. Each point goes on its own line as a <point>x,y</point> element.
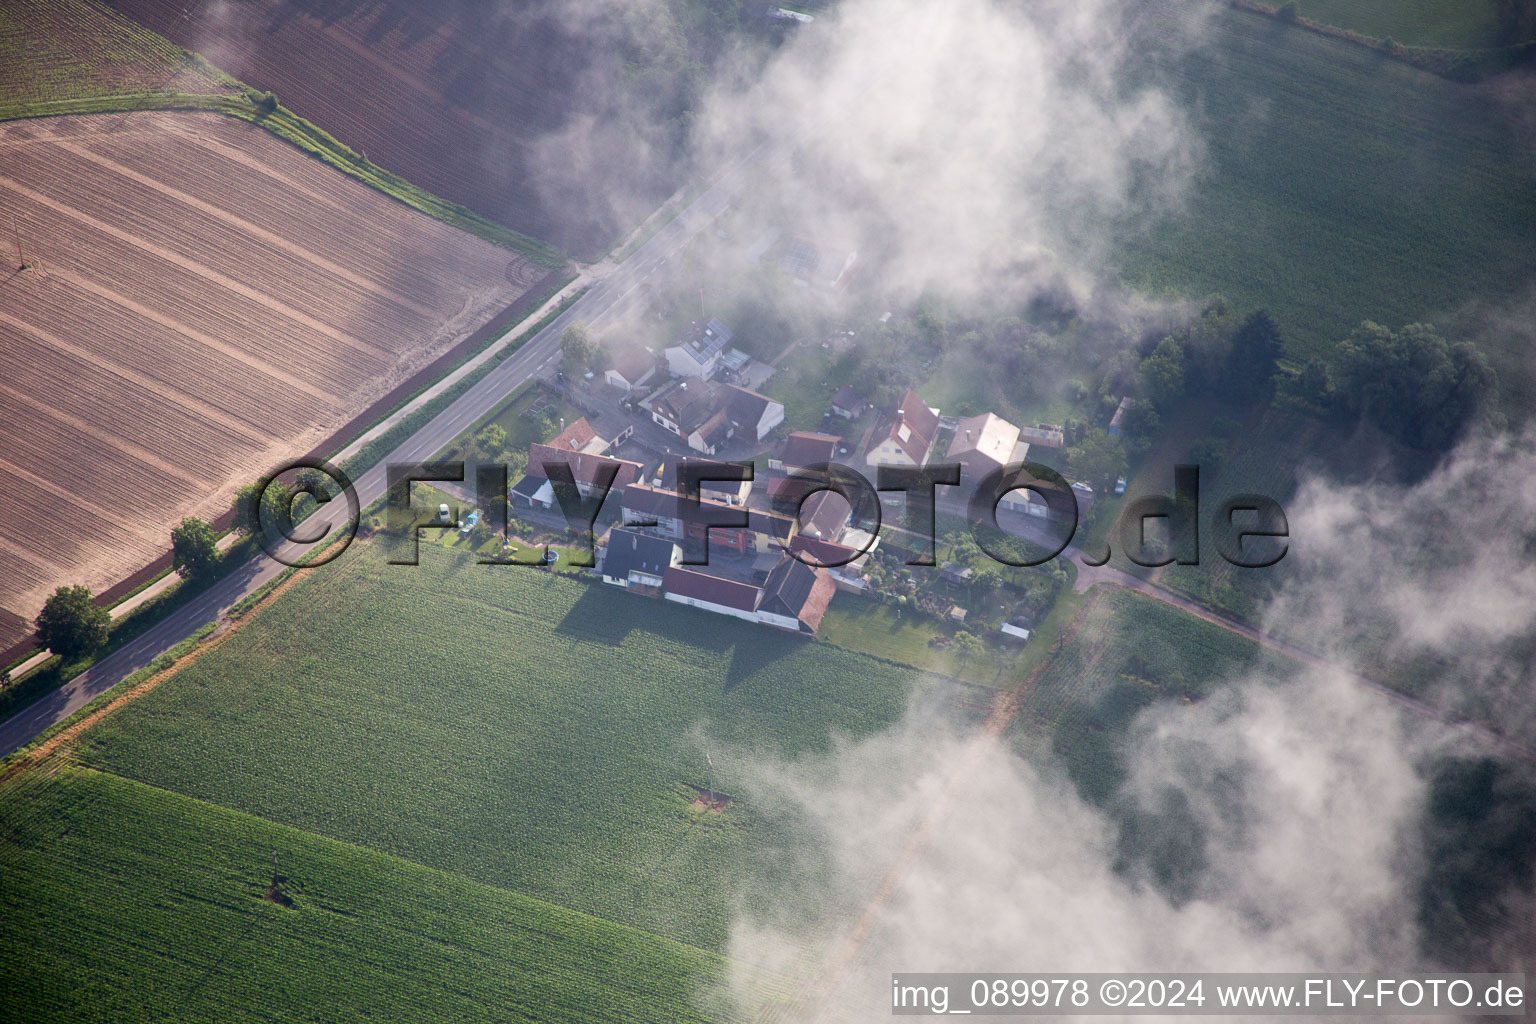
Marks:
<point>71,625</point>
<point>1313,384</point>
<point>492,441</point>
<point>276,503</point>
<point>1413,385</point>
<point>194,552</point>
<point>576,349</point>
<point>1162,374</point>
<point>1254,360</point>
<point>1140,425</point>
<point>967,645</point>
<point>1097,458</point>
<point>1288,11</point>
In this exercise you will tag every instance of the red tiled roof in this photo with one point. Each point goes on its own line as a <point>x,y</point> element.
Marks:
<point>713,589</point>
<point>913,426</point>
<point>574,437</point>
<point>828,512</point>
<point>583,467</point>
<point>807,449</point>
<point>799,591</point>
<point>823,551</point>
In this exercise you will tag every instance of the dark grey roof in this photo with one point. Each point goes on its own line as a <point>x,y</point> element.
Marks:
<point>629,551</point>
<point>795,590</point>
<point>529,485</point>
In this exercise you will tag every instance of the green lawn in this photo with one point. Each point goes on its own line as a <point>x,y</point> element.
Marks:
<point>515,727</point>
<point>1341,185</point>
<point>1458,24</point>
<point>904,635</point>
<point>126,903</point>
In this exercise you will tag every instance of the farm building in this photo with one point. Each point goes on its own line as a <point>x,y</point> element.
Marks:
<point>1046,435</point>
<point>631,368</point>
<point>904,438</point>
<point>794,596</point>
<point>844,563</point>
<point>1117,421</point>
<point>751,413</point>
<point>1014,634</point>
<point>712,593</point>
<point>983,444</point>
<point>698,355</point>
<point>631,558</point>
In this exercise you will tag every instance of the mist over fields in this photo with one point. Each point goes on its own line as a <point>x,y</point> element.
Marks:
<point>1323,825</point>
<point>1315,824</point>
<point>1356,795</point>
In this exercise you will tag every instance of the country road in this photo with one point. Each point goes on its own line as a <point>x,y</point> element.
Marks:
<point>604,301</point>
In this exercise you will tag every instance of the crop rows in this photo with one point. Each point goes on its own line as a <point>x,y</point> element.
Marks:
<point>63,49</point>
<point>521,729</point>
<point>452,101</point>
<point>123,903</point>
<point>213,158</point>
<point>1340,186</point>
<point>173,338</point>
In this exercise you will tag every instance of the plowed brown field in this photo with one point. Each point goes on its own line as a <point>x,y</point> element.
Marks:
<point>450,96</point>
<point>203,302</point>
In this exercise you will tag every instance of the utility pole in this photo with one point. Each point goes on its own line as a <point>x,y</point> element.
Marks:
<point>711,779</point>
<point>20,253</point>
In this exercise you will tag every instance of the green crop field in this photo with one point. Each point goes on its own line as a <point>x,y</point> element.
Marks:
<point>1458,24</point>
<point>63,50</point>
<point>1341,185</point>
<point>515,727</point>
<point>126,903</point>
<point>1128,651</point>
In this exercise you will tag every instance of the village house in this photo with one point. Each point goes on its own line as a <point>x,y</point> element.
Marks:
<point>630,558</point>
<point>668,515</point>
<point>794,597</point>
<point>904,438</point>
<point>722,489</point>
<point>983,444</point>
<point>698,355</point>
<point>707,415</point>
<point>803,448</point>
<point>631,368</point>
<point>580,437</point>
<point>534,490</point>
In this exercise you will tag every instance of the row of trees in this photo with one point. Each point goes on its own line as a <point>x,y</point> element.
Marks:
<point>73,626</point>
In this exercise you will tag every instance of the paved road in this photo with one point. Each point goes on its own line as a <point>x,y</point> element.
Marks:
<point>605,301</point>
